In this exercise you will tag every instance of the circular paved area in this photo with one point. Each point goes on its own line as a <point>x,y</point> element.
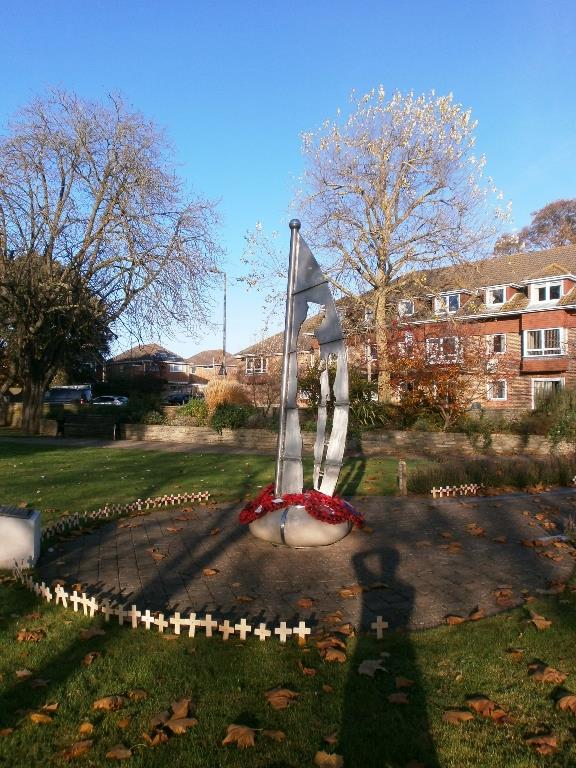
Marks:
<point>417,561</point>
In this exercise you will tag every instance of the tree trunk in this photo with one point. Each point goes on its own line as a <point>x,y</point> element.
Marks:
<point>381,334</point>
<point>32,402</point>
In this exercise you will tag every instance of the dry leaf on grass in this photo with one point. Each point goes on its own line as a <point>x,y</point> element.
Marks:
<point>138,694</point>
<point>545,745</point>
<point>404,682</point>
<point>85,729</point>
<point>158,737</point>
<point>400,697</point>
<point>539,621</point>
<point>331,738</point>
<point>327,688</point>
<point>90,658</point>
<point>324,760</point>
<point>77,749</point>
<point>23,674</point>
<point>30,635</point>
<point>241,735</point>
<point>453,619</point>
<point>305,603</point>
<point>50,707</point>
<point>333,655</point>
<point>280,698</point>
<point>210,572</point>
<point>330,642</point>
<point>179,725</point>
<point>119,752</point>
<point>371,666</point>
<point>454,716</point>
<point>545,674</point>
<point>6,731</point>
<point>124,722</point>
<point>476,614</point>
<point>567,703</point>
<point>309,671</point>
<point>274,735</point>
<point>180,708</point>
<point>40,718</point>
<point>109,703</point>
<point>333,618</point>
<point>488,708</point>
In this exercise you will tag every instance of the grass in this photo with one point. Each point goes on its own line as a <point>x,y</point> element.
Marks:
<point>60,480</point>
<point>227,680</point>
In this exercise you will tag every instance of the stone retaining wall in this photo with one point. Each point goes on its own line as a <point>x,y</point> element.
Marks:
<point>377,443</point>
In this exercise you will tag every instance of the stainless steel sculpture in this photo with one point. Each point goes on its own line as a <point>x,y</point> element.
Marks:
<point>293,525</point>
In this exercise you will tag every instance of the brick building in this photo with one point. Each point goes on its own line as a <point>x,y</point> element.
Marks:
<point>157,361</point>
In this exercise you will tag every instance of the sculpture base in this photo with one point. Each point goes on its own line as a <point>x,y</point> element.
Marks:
<point>294,527</point>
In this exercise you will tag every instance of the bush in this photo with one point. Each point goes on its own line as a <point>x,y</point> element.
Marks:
<point>194,413</point>
<point>153,417</point>
<point>230,417</point>
<point>224,392</point>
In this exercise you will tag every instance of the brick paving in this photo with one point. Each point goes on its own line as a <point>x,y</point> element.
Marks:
<point>418,561</point>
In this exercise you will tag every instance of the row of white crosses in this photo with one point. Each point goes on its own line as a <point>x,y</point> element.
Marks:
<point>75,521</point>
<point>134,618</point>
<point>456,490</point>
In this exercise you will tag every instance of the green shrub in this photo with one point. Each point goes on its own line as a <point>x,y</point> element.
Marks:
<point>153,417</point>
<point>230,416</point>
<point>194,412</point>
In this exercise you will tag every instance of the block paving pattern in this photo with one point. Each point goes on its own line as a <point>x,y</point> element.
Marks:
<point>417,561</point>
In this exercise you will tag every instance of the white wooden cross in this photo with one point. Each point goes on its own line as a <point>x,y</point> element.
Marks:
<point>106,610</point>
<point>61,595</point>
<point>75,599</point>
<point>37,588</point>
<point>283,631</point>
<point>210,624</point>
<point>92,606</point>
<point>262,632</point>
<point>193,622</point>
<point>379,625</point>
<point>161,623</point>
<point>301,630</point>
<point>85,603</point>
<point>147,618</point>
<point>48,594</point>
<point>178,622</point>
<point>243,628</point>
<point>134,615</point>
<point>121,613</point>
<point>226,629</point>
<point>41,589</point>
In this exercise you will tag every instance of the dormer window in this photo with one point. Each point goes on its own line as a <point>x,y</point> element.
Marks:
<point>546,292</point>
<point>495,296</point>
<point>405,307</point>
<point>448,302</point>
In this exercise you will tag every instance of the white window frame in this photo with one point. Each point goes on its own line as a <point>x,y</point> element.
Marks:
<point>547,285</point>
<point>491,349</point>
<point>490,390</point>
<point>438,356</point>
<point>256,365</point>
<point>177,367</point>
<point>559,379</point>
<point>406,307</point>
<point>489,296</point>
<point>406,346</point>
<point>442,303</point>
<point>551,350</point>
<point>370,352</point>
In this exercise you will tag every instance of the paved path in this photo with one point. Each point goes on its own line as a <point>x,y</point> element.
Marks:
<point>417,561</point>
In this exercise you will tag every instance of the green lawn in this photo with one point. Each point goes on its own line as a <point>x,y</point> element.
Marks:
<point>60,480</point>
<point>226,682</point>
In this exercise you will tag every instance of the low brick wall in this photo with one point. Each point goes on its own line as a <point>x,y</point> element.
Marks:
<point>377,443</point>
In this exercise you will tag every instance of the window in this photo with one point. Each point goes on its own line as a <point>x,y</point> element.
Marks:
<point>547,341</point>
<point>496,390</point>
<point>495,296</point>
<point>405,307</point>
<point>176,367</point>
<point>444,350</point>
<point>450,302</point>
<point>497,343</point>
<point>256,365</point>
<point>547,292</point>
<point>406,346</point>
<point>371,352</point>
<point>543,387</point>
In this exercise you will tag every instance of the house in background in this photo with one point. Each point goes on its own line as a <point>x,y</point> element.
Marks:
<point>208,363</point>
<point>157,361</point>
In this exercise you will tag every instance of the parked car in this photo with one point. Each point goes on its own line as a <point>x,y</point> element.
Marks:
<point>74,393</point>
<point>110,400</point>
<point>177,398</point>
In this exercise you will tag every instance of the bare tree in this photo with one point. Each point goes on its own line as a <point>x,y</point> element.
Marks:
<point>89,194</point>
<point>392,191</point>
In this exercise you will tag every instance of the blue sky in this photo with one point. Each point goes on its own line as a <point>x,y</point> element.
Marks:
<point>235,83</point>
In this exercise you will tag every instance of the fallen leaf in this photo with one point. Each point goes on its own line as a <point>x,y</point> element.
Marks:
<point>85,728</point>
<point>158,737</point>
<point>305,603</point>
<point>475,529</point>
<point>327,688</point>
<point>545,745</point>
<point>446,535</point>
<point>6,731</point>
<point>30,635</point>
<point>333,654</point>
<point>452,619</point>
<point>51,707</point>
<point>352,591</point>
<point>476,614</point>
<point>404,682</point>
<point>371,666</point>
<point>545,674</point>
<point>309,671</point>
<point>156,554</point>
<point>400,697</point>
<point>454,716</point>
<point>39,718</point>
<point>539,621</point>
<point>210,572</point>
<point>138,694</point>
<point>244,599</point>
<point>241,735</point>
<point>160,719</point>
<point>515,653</point>
<point>280,698</point>
<point>109,703</point>
<point>324,760</point>
<point>500,540</point>
<point>77,749</point>
<point>174,530</point>
<point>88,634</point>
<point>331,738</point>
<point>123,722</point>
<point>345,629</point>
<point>567,703</point>
<point>179,725</point>
<point>119,752</point>
<point>330,642</point>
<point>90,658</point>
<point>274,735</point>
<point>482,705</point>
<point>333,618</point>
<point>23,674</point>
<point>180,708</point>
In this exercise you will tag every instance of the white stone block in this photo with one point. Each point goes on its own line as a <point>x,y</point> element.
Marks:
<point>19,536</point>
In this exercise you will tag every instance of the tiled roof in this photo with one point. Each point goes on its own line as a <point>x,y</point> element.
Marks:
<point>552,270</point>
<point>209,357</point>
<point>568,298</point>
<point>142,352</point>
<point>273,345</point>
